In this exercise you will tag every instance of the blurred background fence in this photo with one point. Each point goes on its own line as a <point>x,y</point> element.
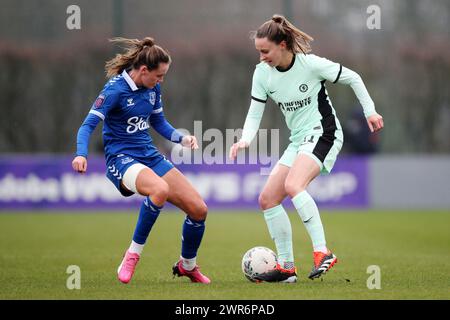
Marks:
<point>50,74</point>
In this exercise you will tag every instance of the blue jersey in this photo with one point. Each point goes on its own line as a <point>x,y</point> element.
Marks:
<point>128,112</point>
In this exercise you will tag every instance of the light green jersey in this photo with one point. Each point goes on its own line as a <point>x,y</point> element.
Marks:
<point>300,93</point>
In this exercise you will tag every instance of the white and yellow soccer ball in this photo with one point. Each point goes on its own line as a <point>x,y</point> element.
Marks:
<point>258,260</point>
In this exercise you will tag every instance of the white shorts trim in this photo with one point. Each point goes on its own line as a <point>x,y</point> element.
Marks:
<point>130,176</point>
<point>312,156</point>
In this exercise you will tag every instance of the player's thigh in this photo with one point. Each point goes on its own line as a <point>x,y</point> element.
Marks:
<point>273,191</point>
<point>183,195</point>
<point>148,183</point>
<point>303,171</point>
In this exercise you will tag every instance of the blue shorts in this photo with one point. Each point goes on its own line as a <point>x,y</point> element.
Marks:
<point>117,166</point>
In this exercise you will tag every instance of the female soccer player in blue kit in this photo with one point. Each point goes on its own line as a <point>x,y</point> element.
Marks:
<point>295,80</point>
<point>129,104</point>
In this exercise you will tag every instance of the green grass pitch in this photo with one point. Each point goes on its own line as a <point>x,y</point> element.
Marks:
<point>412,250</point>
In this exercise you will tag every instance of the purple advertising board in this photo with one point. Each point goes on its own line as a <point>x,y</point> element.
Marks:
<point>48,182</point>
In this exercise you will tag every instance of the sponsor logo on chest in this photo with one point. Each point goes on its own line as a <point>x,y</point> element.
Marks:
<point>137,123</point>
<point>294,105</point>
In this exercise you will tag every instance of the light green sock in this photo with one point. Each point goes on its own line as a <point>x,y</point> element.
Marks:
<point>281,232</point>
<point>309,213</point>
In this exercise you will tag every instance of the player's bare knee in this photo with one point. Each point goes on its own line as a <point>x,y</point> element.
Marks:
<point>293,188</point>
<point>158,191</point>
<point>161,191</point>
<point>202,210</point>
<point>198,211</point>
<point>265,201</point>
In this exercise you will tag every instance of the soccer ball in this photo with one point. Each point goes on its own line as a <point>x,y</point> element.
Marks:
<point>258,260</point>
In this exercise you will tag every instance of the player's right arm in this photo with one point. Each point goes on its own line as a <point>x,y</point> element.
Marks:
<point>79,163</point>
<point>255,112</point>
<point>97,113</point>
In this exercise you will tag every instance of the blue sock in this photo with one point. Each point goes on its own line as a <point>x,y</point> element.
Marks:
<point>147,217</point>
<point>192,236</point>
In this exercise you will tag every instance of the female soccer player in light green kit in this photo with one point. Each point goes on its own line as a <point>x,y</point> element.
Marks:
<point>295,80</point>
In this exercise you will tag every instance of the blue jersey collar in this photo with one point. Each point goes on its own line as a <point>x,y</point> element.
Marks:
<point>130,81</point>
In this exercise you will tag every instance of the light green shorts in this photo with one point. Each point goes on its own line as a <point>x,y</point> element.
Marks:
<point>321,147</point>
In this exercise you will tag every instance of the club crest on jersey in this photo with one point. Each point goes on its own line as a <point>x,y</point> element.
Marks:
<point>152,97</point>
<point>99,101</point>
<point>303,88</point>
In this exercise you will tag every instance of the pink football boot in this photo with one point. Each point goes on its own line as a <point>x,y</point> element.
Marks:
<point>127,267</point>
<point>195,275</point>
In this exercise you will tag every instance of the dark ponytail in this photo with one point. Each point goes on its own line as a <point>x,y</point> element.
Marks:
<point>138,53</point>
<point>279,29</point>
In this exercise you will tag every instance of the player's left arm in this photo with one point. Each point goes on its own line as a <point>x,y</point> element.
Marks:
<point>336,73</point>
<point>353,79</point>
<point>159,122</point>
<point>164,128</point>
